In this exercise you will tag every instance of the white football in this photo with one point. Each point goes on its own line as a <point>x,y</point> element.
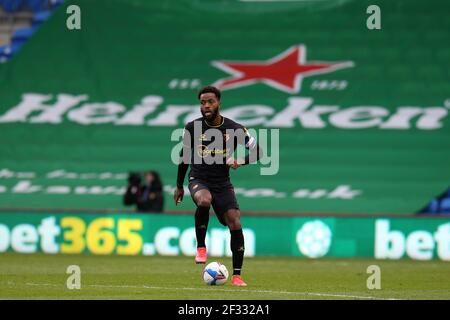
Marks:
<point>215,273</point>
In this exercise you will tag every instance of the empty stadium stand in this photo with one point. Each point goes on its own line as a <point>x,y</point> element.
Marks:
<point>19,19</point>
<point>438,205</point>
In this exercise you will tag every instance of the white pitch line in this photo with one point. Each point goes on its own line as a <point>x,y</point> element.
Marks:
<point>226,290</point>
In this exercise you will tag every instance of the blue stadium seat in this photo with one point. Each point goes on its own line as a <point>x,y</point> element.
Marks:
<point>433,207</point>
<point>33,5</point>
<point>37,5</point>
<point>445,205</point>
<point>10,49</point>
<point>40,17</point>
<point>5,50</point>
<point>447,194</point>
<point>11,5</point>
<point>17,44</point>
<point>23,34</point>
<point>56,3</point>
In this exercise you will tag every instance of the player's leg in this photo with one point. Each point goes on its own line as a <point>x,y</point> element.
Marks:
<point>227,210</point>
<point>202,198</point>
<point>237,244</point>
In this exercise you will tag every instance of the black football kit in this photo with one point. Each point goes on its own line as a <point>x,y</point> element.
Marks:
<point>207,148</point>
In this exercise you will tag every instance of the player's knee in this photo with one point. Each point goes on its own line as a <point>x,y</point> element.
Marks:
<point>204,201</point>
<point>233,220</point>
<point>234,225</point>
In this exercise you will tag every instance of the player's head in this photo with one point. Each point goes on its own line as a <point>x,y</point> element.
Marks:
<point>209,102</point>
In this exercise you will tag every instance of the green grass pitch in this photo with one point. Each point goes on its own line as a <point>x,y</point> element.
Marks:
<point>40,276</point>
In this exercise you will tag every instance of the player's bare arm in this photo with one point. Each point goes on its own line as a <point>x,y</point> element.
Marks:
<point>179,190</point>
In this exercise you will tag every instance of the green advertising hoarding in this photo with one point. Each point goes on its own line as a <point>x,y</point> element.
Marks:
<point>156,234</point>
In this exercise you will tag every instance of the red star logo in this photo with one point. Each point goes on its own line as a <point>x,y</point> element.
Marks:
<point>283,72</point>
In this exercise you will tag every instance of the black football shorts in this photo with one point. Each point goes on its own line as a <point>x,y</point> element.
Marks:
<point>223,196</point>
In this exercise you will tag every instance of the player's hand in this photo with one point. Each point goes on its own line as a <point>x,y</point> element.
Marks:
<point>178,195</point>
<point>233,163</point>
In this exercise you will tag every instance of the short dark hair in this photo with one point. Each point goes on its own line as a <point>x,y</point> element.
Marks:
<point>209,89</point>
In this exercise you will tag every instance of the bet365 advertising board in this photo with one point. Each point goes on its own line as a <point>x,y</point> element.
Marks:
<point>172,235</point>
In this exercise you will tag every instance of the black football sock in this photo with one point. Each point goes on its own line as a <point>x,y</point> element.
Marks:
<point>237,249</point>
<point>201,225</point>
